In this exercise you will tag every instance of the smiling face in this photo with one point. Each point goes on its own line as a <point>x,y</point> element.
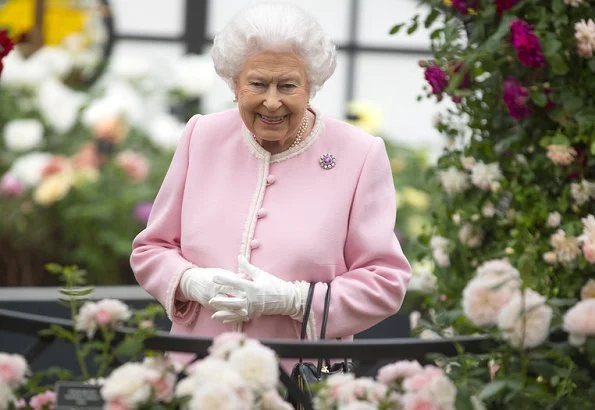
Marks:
<point>273,91</point>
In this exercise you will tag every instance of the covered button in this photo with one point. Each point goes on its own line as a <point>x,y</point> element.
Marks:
<point>254,243</point>
<point>261,213</point>
<point>271,179</point>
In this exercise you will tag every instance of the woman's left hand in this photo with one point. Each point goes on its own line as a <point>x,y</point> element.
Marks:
<point>265,294</point>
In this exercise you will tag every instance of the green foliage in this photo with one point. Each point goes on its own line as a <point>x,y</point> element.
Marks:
<point>509,216</point>
<point>94,223</point>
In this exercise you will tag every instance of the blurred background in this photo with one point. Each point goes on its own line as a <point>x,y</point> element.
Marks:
<point>93,101</point>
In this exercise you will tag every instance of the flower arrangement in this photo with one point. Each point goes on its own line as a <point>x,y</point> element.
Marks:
<point>77,177</point>
<point>511,236</point>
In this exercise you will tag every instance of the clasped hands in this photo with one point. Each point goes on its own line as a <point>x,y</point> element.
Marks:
<point>238,298</point>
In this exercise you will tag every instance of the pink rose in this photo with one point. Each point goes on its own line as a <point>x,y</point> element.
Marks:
<point>11,186</point>
<point>13,368</point>
<point>45,400</point>
<point>394,372</point>
<point>589,252</point>
<point>503,5</point>
<point>135,165</point>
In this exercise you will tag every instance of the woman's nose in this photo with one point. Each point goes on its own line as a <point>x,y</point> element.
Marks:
<point>272,99</point>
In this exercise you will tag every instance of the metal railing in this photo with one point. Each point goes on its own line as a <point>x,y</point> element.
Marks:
<point>366,352</point>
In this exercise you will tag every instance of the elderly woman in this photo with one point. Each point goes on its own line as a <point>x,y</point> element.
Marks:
<point>265,198</point>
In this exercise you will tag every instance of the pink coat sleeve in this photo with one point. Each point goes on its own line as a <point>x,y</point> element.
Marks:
<point>156,257</point>
<point>378,273</point>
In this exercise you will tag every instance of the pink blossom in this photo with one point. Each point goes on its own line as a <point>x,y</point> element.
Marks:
<point>13,368</point>
<point>589,252</point>
<point>526,43</point>
<point>11,186</point>
<point>394,372</point>
<point>579,321</point>
<point>561,154</point>
<point>503,5</point>
<point>20,404</point>
<point>437,78</point>
<point>420,380</point>
<point>163,384</point>
<point>135,165</point>
<point>418,401</point>
<point>43,401</point>
<point>516,98</point>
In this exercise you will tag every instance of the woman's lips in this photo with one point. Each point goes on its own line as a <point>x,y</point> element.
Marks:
<point>272,120</point>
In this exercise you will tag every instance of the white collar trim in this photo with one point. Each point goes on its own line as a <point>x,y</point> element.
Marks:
<point>259,152</point>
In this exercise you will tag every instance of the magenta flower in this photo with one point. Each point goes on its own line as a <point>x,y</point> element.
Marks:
<point>516,98</point>
<point>503,5</point>
<point>142,211</point>
<point>437,78</point>
<point>528,48</point>
<point>463,6</point>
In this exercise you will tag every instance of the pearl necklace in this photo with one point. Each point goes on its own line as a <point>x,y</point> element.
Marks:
<point>300,134</point>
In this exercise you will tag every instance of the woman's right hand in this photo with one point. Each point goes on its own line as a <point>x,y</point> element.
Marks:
<point>197,284</point>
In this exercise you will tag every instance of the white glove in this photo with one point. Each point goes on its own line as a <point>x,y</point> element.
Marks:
<point>265,294</point>
<point>197,284</point>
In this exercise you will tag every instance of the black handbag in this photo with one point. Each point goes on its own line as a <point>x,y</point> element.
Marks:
<point>305,374</point>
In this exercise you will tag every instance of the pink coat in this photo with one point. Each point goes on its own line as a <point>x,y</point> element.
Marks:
<point>224,195</point>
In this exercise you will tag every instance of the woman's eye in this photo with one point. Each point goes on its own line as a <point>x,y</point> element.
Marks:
<point>256,84</point>
<point>288,86</point>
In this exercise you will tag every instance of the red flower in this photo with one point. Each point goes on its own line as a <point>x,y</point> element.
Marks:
<point>528,48</point>
<point>463,6</point>
<point>516,98</point>
<point>503,5</point>
<point>437,78</point>
<point>6,45</point>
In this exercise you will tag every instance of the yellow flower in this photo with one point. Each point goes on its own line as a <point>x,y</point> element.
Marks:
<point>53,188</point>
<point>447,3</point>
<point>84,176</point>
<point>415,198</point>
<point>415,224</point>
<point>60,19</point>
<point>365,115</point>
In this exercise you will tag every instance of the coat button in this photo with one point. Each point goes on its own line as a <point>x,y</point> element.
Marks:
<point>254,243</point>
<point>271,179</point>
<point>261,213</point>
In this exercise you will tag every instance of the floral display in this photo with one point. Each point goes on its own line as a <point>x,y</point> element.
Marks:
<point>511,235</point>
<point>77,178</point>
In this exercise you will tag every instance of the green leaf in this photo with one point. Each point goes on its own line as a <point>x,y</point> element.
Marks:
<point>491,389</point>
<point>593,148</point>
<point>539,97</point>
<point>396,28</point>
<point>431,18</point>
<point>413,27</point>
<point>53,268</point>
<point>591,64</point>
<point>558,7</point>
<point>558,64</point>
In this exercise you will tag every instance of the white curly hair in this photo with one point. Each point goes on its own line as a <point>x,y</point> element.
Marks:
<point>278,27</point>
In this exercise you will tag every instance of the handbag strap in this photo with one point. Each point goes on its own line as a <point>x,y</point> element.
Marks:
<point>307,309</point>
<point>327,303</point>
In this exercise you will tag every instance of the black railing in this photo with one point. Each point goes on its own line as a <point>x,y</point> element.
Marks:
<point>367,353</point>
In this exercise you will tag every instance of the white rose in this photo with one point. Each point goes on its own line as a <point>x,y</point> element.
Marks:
<point>29,167</point>
<point>453,180</point>
<point>22,135</point>
<point>193,75</point>
<point>525,321</point>
<point>165,131</point>
<point>554,219</point>
<point>59,105</point>
<point>484,176</point>
<point>215,396</point>
<point>257,365</point>
<point>127,385</point>
<point>57,60</point>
